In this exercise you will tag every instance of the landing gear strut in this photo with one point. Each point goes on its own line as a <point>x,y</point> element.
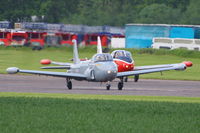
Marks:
<point>136,78</point>
<point>126,79</point>
<point>69,83</point>
<point>121,84</point>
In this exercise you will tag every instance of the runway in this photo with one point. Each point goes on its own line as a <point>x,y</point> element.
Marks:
<point>145,87</point>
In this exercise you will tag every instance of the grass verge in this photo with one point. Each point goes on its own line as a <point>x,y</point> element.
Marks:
<point>104,97</point>
<point>72,113</point>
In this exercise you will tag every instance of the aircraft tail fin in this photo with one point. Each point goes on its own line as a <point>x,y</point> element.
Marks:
<point>99,46</point>
<point>76,59</point>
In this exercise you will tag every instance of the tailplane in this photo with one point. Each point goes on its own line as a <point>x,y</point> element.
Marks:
<point>99,46</point>
<point>76,59</point>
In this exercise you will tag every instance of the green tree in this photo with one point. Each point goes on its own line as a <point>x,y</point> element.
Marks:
<point>192,15</point>
<point>102,12</point>
<point>53,11</point>
<point>159,13</point>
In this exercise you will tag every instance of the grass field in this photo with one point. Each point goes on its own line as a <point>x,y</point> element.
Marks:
<point>22,113</point>
<point>25,58</point>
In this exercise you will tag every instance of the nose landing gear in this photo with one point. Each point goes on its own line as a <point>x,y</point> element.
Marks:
<point>108,86</point>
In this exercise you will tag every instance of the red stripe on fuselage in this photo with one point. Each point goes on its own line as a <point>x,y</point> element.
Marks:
<point>123,65</point>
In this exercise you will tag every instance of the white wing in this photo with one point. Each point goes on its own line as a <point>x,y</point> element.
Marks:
<point>13,70</point>
<point>152,67</point>
<point>61,63</point>
<point>56,67</point>
<point>99,46</point>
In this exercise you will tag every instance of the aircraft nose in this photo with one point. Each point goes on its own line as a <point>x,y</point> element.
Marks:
<point>109,68</point>
<point>108,72</point>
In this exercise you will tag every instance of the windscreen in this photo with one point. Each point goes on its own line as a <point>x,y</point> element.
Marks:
<point>128,54</point>
<point>102,57</point>
<point>119,54</point>
<point>122,55</point>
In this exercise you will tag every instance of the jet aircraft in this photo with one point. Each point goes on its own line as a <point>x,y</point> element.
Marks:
<point>100,68</point>
<point>122,58</point>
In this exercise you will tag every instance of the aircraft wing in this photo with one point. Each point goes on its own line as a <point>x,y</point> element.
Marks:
<point>152,69</point>
<point>61,63</point>
<point>47,62</point>
<point>13,70</point>
<point>56,67</point>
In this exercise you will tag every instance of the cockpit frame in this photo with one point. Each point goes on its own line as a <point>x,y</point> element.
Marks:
<point>120,53</point>
<point>103,57</point>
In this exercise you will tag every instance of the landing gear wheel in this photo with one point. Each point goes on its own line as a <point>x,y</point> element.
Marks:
<point>136,78</point>
<point>120,85</point>
<point>108,86</point>
<point>69,85</point>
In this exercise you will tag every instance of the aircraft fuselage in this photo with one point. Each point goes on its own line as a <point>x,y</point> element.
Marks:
<point>96,71</point>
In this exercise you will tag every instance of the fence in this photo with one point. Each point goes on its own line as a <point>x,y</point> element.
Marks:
<point>5,25</point>
<point>169,43</point>
<point>79,29</point>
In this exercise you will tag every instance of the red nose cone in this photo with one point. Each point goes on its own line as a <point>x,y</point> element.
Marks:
<point>45,62</point>
<point>188,63</point>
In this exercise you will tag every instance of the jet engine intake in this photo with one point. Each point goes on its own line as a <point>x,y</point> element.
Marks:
<point>90,74</point>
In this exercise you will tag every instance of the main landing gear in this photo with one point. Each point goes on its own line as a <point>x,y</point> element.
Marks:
<point>69,83</point>
<point>121,84</point>
<point>122,80</point>
<point>126,79</point>
<point>136,78</point>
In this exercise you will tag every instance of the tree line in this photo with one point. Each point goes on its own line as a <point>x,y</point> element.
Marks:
<point>102,12</point>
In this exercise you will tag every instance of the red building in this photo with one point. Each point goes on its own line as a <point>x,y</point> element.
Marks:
<point>13,38</point>
<point>5,38</point>
<point>91,39</point>
<point>66,38</point>
<point>37,38</point>
<point>19,38</point>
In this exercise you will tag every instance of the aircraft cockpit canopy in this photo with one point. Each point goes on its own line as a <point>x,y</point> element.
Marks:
<point>102,57</point>
<point>128,54</point>
<point>118,53</point>
<point>122,54</point>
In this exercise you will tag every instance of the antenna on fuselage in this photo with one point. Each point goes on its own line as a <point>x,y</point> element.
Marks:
<point>99,46</point>
<point>75,53</point>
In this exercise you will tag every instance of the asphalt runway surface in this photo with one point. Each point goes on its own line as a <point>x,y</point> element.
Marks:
<point>144,87</point>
